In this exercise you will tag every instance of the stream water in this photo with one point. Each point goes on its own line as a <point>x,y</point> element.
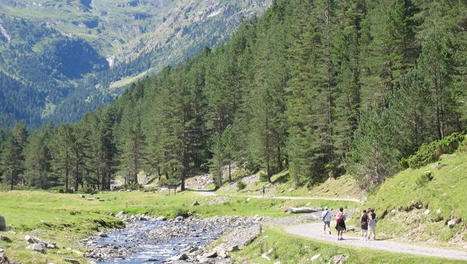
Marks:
<point>156,241</point>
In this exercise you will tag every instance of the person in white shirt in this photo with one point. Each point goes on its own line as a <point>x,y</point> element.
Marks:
<point>326,216</point>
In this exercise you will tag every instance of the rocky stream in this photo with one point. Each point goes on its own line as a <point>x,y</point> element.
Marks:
<point>179,240</point>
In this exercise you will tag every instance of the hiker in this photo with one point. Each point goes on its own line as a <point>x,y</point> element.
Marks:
<point>372,224</point>
<point>263,189</point>
<point>326,216</point>
<point>364,225</point>
<point>340,224</point>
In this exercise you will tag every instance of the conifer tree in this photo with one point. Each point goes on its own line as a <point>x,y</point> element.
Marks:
<point>11,162</point>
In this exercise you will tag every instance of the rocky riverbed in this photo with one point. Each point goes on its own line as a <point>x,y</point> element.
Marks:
<point>179,240</point>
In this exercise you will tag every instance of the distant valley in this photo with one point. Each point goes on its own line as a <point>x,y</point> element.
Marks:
<point>60,59</point>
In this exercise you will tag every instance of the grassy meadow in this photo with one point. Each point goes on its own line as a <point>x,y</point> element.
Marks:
<point>68,218</point>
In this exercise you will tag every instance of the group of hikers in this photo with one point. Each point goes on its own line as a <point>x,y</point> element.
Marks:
<point>367,223</point>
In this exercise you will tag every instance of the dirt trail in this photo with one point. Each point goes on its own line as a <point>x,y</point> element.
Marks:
<point>315,231</point>
<point>285,197</point>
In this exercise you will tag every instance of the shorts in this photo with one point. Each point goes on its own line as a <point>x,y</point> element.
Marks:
<point>364,226</point>
<point>341,226</point>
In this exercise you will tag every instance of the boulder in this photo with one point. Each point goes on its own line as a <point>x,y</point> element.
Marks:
<point>451,223</point>
<point>212,254</point>
<point>4,259</point>
<point>37,247</point>
<point>70,260</point>
<point>315,257</point>
<point>2,224</point>
<point>339,259</point>
<point>36,241</point>
<point>5,239</point>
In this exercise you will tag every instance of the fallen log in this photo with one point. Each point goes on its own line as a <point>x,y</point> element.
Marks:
<point>302,210</point>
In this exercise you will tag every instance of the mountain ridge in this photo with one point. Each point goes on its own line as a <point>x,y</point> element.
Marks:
<point>123,39</point>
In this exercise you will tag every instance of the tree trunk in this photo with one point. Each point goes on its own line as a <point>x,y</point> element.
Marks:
<point>230,171</point>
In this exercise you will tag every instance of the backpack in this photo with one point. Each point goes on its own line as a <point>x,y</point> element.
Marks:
<point>339,217</point>
<point>324,217</point>
<point>365,218</point>
<point>373,219</point>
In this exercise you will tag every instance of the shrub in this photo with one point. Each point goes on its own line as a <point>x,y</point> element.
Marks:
<point>241,185</point>
<point>181,212</point>
<point>431,152</point>
<point>424,178</point>
<point>263,177</point>
<point>132,186</point>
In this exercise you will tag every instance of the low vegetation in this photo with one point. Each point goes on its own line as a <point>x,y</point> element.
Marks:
<point>419,203</point>
<point>291,249</point>
<point>68,218</point>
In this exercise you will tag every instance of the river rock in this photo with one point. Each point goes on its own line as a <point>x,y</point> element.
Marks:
<point>2,224</point>
<point>121,215</point>
<point>212,254</point>
<point>4,259</point>
<point>161,218</point>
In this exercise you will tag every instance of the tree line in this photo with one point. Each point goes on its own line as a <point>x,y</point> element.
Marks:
<point>320,88</point>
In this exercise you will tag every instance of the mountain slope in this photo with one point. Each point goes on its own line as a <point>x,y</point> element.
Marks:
<point>419,203</point>
<point>66,54</point>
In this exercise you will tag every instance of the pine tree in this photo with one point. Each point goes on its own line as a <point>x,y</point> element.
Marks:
<point>11,163</point>
<point>62,149</point>
<point>133,149</point>
<point>38,159</point>
<point>373,155</point>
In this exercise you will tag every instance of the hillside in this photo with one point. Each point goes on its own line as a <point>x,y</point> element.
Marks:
<point>64,58</point>
<point>421,204</point>
<point>294,90</point>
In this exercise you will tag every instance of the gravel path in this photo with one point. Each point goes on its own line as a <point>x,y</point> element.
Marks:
<point>315,231</point>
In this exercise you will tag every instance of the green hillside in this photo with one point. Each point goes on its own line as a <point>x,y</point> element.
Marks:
<point>353,90</point>
<point>419,203</point>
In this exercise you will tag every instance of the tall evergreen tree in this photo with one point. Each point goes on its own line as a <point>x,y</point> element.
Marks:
<point>11,163</point>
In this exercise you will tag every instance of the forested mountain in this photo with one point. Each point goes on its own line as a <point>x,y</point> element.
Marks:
<point>61,59</point>
<point>317,87</point>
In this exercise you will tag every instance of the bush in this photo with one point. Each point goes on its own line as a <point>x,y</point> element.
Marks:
<point>424,178</point>
<point>132,186</point>
<point>241,185</point>
<point>431,152</point>
<point>240,173</point>
<point>263,177</point>
<point>181,212</point>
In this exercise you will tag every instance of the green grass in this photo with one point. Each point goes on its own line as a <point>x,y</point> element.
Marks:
<point>283,185</point>
<point>293,249</point>
<point>67,218</point>
<point>438,187</point>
